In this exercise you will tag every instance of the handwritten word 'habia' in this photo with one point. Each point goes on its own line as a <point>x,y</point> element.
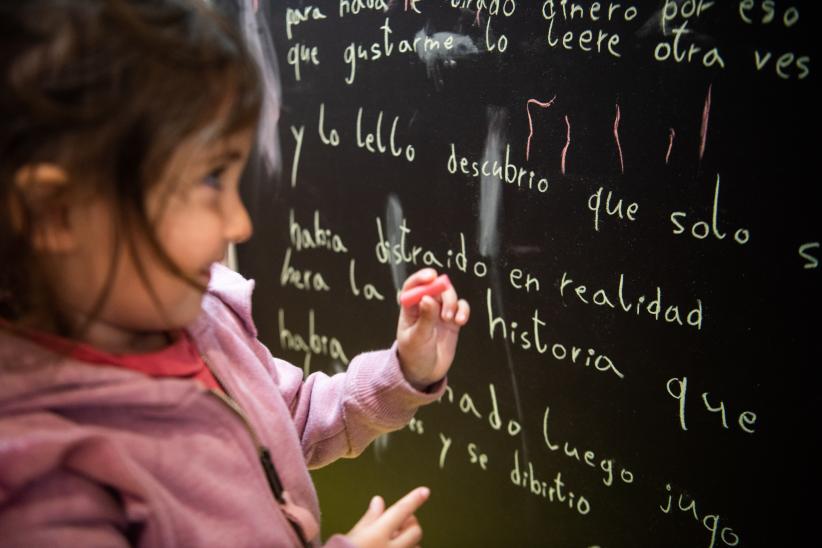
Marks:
<point>315,237</point>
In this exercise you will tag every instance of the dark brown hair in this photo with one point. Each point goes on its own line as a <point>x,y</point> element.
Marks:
<point>106,89</point>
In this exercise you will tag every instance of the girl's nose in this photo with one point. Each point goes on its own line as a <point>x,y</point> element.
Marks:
<point>238,226</point>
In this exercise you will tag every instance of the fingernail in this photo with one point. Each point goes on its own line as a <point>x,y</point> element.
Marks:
<point>375,502</point>
<point>425,492</point>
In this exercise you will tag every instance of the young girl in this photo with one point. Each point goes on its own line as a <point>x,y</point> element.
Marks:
<point>136,405</point>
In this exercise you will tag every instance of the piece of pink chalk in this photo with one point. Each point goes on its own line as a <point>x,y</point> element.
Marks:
<point>412,296</point>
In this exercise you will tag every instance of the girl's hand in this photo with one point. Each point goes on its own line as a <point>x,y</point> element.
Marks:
<point>427,332</point>
<point>396,527</point>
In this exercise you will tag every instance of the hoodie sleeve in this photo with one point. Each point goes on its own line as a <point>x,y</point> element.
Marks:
<point>62,509</point>
<point>335,416</point>
<point>339,416</point>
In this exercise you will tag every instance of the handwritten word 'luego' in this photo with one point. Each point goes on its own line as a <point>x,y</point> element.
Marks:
<point>653,307</point>
<point>709,521</point>
<point>533,340</point>
<point>589,457</point>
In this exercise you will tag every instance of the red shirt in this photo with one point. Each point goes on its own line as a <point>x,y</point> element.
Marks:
<point>179,359</point>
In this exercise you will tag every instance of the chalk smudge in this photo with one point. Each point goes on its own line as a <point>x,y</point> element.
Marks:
<point>490,190</point>
<point>434,59</point>
<point>393,220</point>
<point>261,44</point>
<point>490,213</point>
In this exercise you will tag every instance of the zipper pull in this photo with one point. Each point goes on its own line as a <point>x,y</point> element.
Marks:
<point>277,488</point>
<point>271,475</point>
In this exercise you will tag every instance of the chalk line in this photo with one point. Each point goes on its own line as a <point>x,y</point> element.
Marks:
<point>530,122</point>
<point>616,137</point>
<point>703,133</point>
<point>671,136</point>
<point>567,142</point>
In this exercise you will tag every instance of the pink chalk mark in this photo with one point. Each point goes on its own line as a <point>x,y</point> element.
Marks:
<point>477,21</point>
<point>671,136</point>
<point>616,137</point>
<point>531,124</point>
<point>567,142</point>
<point>703,133</point>
<point>256,4</point>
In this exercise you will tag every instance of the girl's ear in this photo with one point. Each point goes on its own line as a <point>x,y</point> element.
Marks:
<point>42,188</point>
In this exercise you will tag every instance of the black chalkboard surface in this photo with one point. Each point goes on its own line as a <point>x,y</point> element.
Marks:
<point>626,193</point>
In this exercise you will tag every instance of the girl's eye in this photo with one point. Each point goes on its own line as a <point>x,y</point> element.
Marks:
<point>214,178</point>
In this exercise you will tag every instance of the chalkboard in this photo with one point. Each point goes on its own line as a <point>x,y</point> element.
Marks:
<point>627,195</point>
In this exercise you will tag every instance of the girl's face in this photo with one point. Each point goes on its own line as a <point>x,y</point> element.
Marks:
<point>196,212</point>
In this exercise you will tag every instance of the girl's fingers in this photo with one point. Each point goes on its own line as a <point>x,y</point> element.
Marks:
<point>449,304</point>
<point>463,312</point>
<point>420,277</point>
<point>396,515</point>
<point>409,537</point>
<point>410,521</point>
<point>429,312</point>
<point>375,510</point>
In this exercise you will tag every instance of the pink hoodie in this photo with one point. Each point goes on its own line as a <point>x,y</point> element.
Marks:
<point>102,456</point>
